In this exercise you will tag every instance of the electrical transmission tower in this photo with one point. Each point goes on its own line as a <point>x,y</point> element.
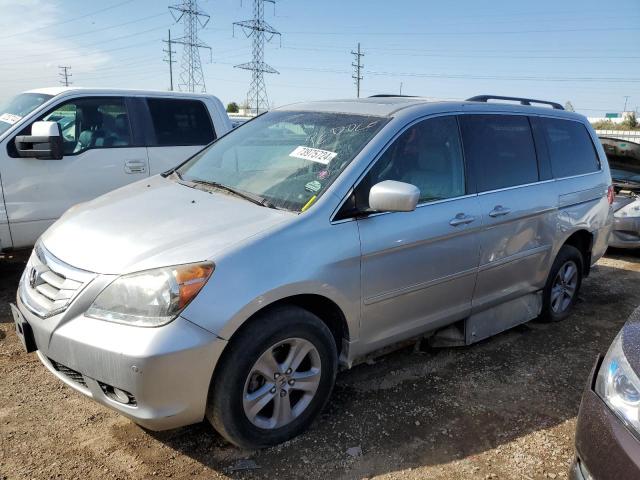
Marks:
<point>193,19</point>
<point>259,31</point>
<point>65,74</point>
<point>170,53</point>
<point>357,76</point>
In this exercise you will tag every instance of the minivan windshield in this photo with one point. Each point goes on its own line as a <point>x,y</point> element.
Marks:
<point>287,159</point>
<point>18,107</point>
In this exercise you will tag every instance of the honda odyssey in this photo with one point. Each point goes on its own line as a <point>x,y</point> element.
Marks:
<point>234,286</point>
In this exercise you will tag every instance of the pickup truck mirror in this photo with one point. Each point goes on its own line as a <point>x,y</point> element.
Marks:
<point>44,143</point>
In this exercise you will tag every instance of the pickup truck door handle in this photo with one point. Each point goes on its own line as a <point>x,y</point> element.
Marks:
<point>499,211</point>
<point>461,219</point>
<point>135,166</point>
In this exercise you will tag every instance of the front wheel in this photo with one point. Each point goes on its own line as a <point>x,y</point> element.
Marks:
<point>274,378</point>
<point>562,287</point>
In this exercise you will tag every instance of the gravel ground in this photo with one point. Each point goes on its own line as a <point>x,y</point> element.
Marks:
<point>504,408</point>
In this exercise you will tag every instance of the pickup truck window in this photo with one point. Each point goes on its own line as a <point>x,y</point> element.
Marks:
<point>288,159</point>
<point>92,123</point>
<point>180,122</point>
<point>18,107</point>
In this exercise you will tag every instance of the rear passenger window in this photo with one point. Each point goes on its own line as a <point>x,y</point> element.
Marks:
<point>501,150</point>
<point>570,147</point>
<point>180,122</point>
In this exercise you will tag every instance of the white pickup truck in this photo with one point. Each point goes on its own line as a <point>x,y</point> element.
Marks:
<point>63,146</point>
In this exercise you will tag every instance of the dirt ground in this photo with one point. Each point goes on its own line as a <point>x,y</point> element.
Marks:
<point>504,408</point>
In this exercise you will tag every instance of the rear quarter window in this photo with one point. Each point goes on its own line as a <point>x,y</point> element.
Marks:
<point>571,149</point>
<point>500,149</point>
<point>178,122</point>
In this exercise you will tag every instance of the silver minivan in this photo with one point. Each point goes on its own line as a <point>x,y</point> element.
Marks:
<point>235,286</point>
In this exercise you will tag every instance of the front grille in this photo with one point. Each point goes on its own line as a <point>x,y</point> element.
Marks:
<point>48,285</point>
<point>69,373</point>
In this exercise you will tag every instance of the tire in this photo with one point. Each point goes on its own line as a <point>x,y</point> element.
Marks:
<point>247,405</point>
<point>559,298</point>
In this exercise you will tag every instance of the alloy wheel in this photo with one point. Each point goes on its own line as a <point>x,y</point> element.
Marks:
<point>282,383</point>
<point>564,287</point>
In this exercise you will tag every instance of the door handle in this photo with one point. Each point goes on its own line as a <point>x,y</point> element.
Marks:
<point>461,219</point>
<point>499,211</point>
<point>135,166</point>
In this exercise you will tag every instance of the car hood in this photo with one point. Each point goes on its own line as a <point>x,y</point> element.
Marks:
<point>631,340</point>
<point>155,223</point>
<point>622,200</point>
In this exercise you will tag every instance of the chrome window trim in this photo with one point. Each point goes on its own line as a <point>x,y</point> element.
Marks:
<point>514,187</point>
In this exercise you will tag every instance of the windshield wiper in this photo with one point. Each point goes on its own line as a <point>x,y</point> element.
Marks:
<point>257,199</point>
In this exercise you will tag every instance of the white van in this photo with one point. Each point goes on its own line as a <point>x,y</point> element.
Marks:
<point>102,139</point>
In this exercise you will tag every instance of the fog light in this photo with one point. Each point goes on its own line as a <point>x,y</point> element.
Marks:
<point>120,395</point>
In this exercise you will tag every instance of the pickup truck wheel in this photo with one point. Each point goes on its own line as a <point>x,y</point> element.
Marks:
<point>563,284</point>
<point>274,378</point>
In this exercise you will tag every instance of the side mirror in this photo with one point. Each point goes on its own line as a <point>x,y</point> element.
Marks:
<point>45,142</point>
<point>392,196</point>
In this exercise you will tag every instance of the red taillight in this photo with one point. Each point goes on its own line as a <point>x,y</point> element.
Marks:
<point>611,194</point>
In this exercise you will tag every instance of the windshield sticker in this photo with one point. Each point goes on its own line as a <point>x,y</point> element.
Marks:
<point>322,174</point>
<point>313,154</point>
<point>313,186</point>
<point>9,118</point>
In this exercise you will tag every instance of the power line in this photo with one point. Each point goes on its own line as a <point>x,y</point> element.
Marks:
<point>65,74</point>
<point>465,33</point>
<point>170,52</point>
<point>110,40</point>
<point>56,23</point>
<point>259,31</point>
<point>357,64</point>
<point>193,19</point>
<point>102,29</point>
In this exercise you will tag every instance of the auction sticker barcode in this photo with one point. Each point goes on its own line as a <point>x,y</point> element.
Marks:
<point>313,154</point>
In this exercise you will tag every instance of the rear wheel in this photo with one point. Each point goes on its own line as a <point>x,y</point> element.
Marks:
<point>274,378</point>
<point>563,284</point>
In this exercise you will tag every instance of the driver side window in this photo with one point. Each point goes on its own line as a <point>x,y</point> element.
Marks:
<point>427,155</point>
<point>92,123</point>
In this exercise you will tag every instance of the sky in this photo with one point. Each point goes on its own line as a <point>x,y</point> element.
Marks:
<point>583,51</point>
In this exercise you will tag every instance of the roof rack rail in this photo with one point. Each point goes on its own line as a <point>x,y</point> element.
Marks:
<point>390,95</point>
<point>523,101</point>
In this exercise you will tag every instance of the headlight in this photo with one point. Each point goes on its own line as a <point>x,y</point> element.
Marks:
<point>619,386</point>
<point>630,210</point>
<point>150,298</point>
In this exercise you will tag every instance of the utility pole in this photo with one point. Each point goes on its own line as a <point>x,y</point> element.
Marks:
<point>626,99</point>
<point>193,19</point>
<point>358,66</point>
<point>260,32</point>
<point>170,52</point>
<point>64,75</point>
<point>400,88</point>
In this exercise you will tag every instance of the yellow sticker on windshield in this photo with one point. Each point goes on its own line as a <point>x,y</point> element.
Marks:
<point>313,154</point>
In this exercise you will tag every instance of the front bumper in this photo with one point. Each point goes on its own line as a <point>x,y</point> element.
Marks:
<point>167,370</point>
<point>626,232</point>
<point>605,448</point>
